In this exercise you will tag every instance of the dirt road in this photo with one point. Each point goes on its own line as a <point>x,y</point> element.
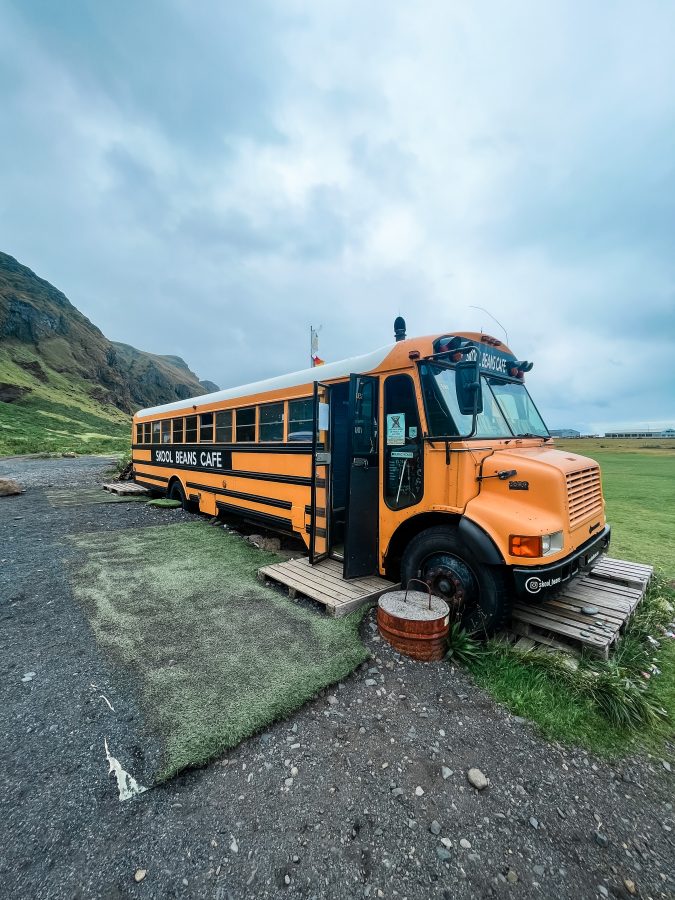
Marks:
<point>363,793</point>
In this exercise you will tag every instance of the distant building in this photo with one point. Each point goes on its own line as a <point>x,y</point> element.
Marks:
<point>665,433</point>
<point>565,433</point>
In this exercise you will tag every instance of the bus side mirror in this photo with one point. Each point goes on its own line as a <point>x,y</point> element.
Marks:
<point>467,385</point>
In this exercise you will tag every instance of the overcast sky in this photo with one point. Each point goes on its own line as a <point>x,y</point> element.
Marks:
<point>209,179</point>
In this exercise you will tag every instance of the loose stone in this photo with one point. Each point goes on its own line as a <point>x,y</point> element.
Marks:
<point>466,845</point>
<point>435,827</point>
<point>477,779</point>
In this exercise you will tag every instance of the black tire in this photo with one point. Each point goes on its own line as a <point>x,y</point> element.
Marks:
<point>477,594</point>
<point>176,492</point>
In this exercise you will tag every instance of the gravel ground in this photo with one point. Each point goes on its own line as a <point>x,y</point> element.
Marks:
<point>363,793</point>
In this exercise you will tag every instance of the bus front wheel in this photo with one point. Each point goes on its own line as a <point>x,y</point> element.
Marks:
<point>477,594</point>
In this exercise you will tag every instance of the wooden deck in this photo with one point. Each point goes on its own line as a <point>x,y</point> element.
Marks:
<point>125,488</point>
<point>613,589</point>
<point>325,584</point>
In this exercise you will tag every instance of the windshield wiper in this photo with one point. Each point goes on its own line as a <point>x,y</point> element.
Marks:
<point>530,434</point>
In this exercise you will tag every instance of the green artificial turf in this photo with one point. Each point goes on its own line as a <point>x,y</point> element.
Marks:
<point>216,654</point>
<point>164,503</point>
<point>77,496</point>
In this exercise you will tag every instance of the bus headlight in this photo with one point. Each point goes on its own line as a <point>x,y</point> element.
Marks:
<point>552,543</point>
<point>532,546</point>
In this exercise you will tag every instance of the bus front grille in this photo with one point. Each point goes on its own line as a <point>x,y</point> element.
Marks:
<point>584,495</point>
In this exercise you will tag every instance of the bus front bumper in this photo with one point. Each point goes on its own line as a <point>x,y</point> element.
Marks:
<point>531,580</point>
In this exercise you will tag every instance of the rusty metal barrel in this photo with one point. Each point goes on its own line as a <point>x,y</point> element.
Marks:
<point>414,623</point>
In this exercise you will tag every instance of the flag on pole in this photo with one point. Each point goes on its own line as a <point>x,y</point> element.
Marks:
<point>314,346</point>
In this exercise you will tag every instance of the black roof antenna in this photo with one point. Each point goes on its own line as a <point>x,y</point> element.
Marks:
<point>399,328</point>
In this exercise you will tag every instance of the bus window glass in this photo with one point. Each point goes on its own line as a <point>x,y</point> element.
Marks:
<point>224,426</point>
<point>518,408</point>
<point>166,431</point>
<point>246,425</point>
<point>403,477</point>
<point>146,433</point>
<point>364,439</point>
<point>155,432</point>
<point>300,420</point>
<point>443,415</point>
<point>191,430</point>
<point>178,431</point>
<point>272,422</point>
<point>139,433</point>
<point>206,428</point>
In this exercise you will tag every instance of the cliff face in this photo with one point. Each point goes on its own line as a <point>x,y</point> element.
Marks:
<point>42,332</point>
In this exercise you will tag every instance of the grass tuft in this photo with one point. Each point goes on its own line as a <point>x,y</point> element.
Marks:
<point>609,706</point>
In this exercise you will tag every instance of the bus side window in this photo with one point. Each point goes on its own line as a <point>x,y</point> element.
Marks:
<point>146,433</point>
<point>224,427</point>
<point>139,433</point>
<point>246,425</point>
<point>155,432</point>
<point>300,419</point>
<point>191,430</point>
<point>403,457</point>
<point>166,431</point>
<point>206,428</point>
<point>178,431</point>
<point>272,422</point>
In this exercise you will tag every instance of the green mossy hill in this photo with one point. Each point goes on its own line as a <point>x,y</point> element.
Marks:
<point>63,384</point>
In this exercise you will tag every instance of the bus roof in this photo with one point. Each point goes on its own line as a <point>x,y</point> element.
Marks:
<point>327,372</point>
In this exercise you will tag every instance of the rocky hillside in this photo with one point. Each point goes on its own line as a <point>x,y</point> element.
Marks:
<point>62,378</point>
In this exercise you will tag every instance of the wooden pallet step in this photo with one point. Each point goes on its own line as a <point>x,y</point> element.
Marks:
<point>324,583</point>
<point>125,488</point>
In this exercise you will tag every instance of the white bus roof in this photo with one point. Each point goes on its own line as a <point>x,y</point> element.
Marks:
<point>328,372</point>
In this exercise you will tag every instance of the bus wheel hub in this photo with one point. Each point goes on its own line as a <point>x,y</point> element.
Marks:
<point>450,578</point>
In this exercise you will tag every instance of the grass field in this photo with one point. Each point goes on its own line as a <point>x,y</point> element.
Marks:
<point>639,487</point>
<point>216,654</point>
<point>57,414</point>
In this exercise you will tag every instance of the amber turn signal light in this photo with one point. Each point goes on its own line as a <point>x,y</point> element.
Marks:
<point>525,545</point>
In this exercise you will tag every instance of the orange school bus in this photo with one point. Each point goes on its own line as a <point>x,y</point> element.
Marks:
<point>424,459</point>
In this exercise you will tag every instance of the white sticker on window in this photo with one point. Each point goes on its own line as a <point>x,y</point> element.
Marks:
<point>323,416</point>
<point>412,431</point>
<point>396,428</point>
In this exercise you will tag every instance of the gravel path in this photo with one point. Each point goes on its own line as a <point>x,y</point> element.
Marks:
<point>363,793</point>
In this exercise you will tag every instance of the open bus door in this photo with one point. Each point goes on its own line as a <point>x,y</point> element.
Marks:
<point>362,515</point>
<point>319,529</point>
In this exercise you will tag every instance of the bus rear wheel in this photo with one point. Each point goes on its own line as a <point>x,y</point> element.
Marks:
<point>176,492</point>
<point>477,594</point>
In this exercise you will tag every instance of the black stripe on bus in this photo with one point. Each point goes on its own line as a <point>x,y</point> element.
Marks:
<point>320,512</point>
<point>254,498</point>
<point>298,447</point>
<point>147,484</point>
<point>236,473</point>
<point>264,518</point>
<point>319,532</point>
<point>154,477</point>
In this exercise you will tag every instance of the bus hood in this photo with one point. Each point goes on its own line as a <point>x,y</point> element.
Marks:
<point>536,491</point>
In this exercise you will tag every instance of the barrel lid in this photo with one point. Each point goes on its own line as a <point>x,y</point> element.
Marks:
<point>416,608</point>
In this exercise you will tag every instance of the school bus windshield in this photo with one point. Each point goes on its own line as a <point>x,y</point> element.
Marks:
<point>508,409</point>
